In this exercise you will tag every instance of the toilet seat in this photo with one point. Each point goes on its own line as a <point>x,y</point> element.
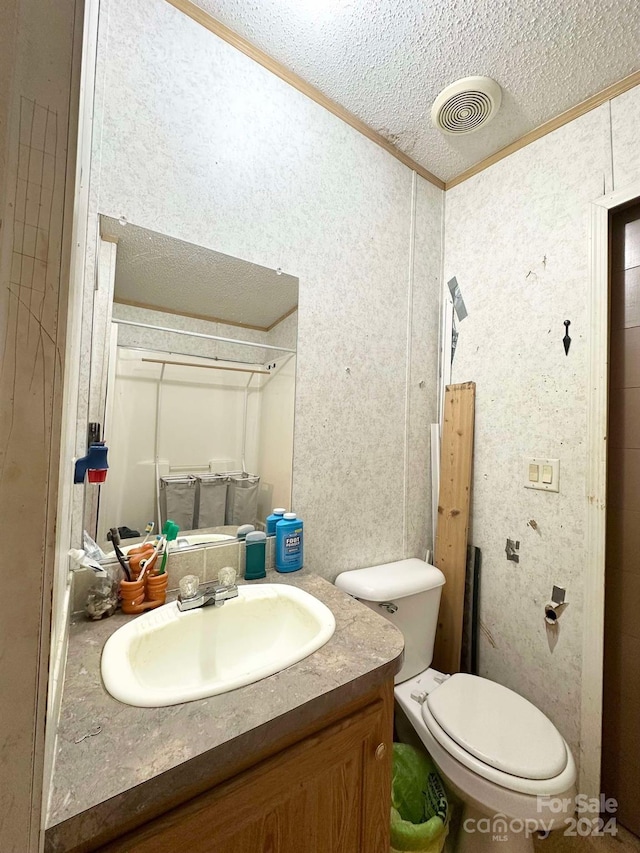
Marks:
<point>550,785</point>
<point>498,727</point>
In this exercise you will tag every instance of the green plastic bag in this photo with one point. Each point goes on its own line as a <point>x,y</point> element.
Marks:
<point>419,807</point>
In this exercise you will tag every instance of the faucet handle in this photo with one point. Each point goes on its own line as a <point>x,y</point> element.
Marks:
<point>189,587</point>
<point>227,576</point>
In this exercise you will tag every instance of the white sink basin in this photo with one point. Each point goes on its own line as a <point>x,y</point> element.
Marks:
<point>166,656</point>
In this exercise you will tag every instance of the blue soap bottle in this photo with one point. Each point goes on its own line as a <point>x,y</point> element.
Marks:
<point>273,519</point>
<point>289,543</point>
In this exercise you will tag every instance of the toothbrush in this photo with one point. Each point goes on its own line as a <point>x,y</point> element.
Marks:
<point>148,563</point>
<point>114,536</point>
<point>144,564</point>
<point>148,530</point>
<point>170,531</point>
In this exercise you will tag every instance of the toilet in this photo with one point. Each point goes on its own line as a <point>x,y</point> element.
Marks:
<point>503,758</point>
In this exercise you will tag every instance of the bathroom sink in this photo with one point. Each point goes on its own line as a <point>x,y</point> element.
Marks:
<point>166,656</point>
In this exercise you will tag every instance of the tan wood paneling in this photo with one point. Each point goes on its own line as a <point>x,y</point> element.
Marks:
<point>34,118</point>
<point>201,17</point>
<point>456,463</point>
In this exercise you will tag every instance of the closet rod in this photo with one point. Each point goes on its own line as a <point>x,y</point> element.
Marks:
<point>199,335</point>
<point>205,366</point>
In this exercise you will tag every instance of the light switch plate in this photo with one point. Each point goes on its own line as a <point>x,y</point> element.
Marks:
<point>543,467</point>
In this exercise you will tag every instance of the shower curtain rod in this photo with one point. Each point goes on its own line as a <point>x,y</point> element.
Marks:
<point>200,335</point>
<point>206,366</point>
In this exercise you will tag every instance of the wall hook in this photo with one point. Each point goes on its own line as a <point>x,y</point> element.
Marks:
<point>566,340</point>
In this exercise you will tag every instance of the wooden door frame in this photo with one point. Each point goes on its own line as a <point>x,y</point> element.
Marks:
<point>596,488</point>
<point>76,223</point>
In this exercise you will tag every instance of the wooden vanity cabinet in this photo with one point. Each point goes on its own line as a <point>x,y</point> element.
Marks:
<point>327,793</point>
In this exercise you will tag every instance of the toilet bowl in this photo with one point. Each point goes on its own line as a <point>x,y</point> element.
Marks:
<point>503,758</point>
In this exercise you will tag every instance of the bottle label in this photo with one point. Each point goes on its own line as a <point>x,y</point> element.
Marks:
<point>292,544</point>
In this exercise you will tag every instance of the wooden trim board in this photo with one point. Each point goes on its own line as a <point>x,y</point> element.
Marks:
<point>456,465</point>
<point>208,317</point>
<point>283,317</point>
<point>219,29</point>
<point>569,115</point>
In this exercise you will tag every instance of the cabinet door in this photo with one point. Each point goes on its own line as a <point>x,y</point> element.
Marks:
<point>330,793</point>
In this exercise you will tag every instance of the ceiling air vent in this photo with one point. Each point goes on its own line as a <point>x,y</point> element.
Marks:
<point>466,105</point>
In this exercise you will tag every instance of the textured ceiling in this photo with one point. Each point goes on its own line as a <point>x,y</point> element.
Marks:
<point>165,273</point>
<point>386,61</point>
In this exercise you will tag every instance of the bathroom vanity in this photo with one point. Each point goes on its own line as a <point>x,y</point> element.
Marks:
<point>299,760</point>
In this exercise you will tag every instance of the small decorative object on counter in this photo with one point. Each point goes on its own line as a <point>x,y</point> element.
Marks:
<point>156,590</point>
<point>255,556</point>
<point>146,593</point>
<point>132,595</point>
<point>137,555</point>
<point>146,587</point>
<point>289,543</point>
<point>102,598</point>
<point>273,519</point>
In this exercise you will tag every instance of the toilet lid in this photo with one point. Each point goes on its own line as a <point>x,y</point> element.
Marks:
<point>498,726</point>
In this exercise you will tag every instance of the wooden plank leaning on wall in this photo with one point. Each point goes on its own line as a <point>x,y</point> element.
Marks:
<point>456,465</point>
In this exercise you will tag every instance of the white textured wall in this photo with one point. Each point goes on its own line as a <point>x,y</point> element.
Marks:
<point>201,143</point>
<point>516,237</point>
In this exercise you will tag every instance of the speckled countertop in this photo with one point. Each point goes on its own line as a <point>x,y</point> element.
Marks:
<point>146,757</point>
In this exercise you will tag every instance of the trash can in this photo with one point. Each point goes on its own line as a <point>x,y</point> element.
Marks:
<point>419,806</point>
<point>242,498</point>
<point>211,500</point>
<point>177,500</point>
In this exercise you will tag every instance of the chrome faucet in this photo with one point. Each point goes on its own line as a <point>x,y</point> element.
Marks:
<point>191,597</point>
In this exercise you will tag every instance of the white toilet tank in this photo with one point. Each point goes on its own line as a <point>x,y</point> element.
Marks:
<point>407,593</point>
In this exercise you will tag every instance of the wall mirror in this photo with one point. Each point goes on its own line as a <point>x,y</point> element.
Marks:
<point>199,388</point>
